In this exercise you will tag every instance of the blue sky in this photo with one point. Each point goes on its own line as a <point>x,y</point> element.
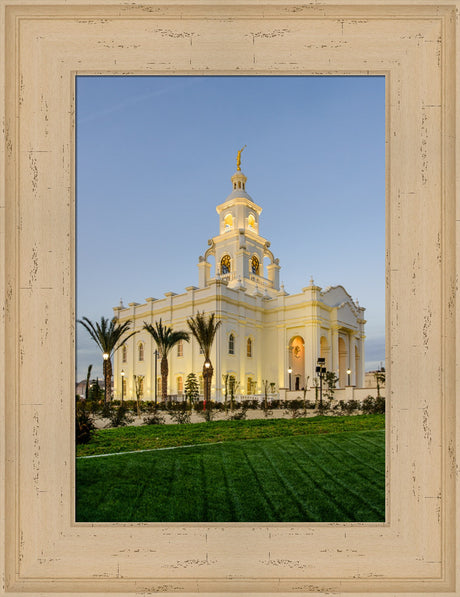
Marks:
<point>155,156</point>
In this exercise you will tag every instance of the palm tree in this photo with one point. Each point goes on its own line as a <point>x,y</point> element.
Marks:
<point>165,339</point>
<point>107,335</point>
<point>204,329</point>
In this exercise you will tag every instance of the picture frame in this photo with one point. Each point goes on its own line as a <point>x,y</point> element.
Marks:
<point>415,46</point>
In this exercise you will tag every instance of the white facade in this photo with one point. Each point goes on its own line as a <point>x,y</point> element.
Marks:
<point>264,332</point>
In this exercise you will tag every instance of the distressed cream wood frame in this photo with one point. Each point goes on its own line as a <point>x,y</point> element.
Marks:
<point>46,44</point>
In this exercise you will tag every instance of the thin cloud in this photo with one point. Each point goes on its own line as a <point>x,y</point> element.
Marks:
<point>136,99</point>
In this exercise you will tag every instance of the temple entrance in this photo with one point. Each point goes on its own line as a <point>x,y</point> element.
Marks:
<point>297,362</point>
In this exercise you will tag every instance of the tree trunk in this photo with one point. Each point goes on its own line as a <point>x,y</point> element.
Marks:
<point>107,368</point>
<point>164,378</point>
<point>207,377</point>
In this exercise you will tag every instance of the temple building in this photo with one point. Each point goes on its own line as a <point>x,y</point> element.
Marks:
<point>266,333</point>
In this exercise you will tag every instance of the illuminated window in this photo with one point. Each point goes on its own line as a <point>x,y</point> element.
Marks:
<point>228,221</point>
<point>180,385</point>
<point>141,351</point>
<point>225,264</point>
<point>200,379</point>
<point>123,385</point>
<point>124,353</point>
<point>255,265</point>
<point>180,348</point>
<point>231,344</point>
<point>249,348</point>
<point>251,221</point>
<point>250,385</point>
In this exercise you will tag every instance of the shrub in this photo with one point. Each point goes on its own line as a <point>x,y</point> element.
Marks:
<point>84,425</point>
<point>379,405</point>
<point>240,416</point>
<point>180,416</point>
<point>120,417</point>
<point>350,406</point>
<point>154,418</point>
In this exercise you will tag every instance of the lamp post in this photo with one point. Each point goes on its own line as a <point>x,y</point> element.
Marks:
<point>155,354</point>
<point>122,385</point>
<point>321,371</point>
<point>107,382</point>
<point>290,372</point>
<point>348,373</point>
<point>207,365</point>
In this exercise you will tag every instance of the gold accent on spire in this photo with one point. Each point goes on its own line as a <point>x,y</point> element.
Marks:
<point>238,159</point>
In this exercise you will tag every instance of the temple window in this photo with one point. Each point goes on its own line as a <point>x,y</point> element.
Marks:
<point>124,354</point>
<point>228,221</point>
<point>231,344</point>
<point>255,265</point>
<point>141,351</point>
<point>249,348</point>
<point>180,348</point>
<point>180,385</point>
<point>225,264</point>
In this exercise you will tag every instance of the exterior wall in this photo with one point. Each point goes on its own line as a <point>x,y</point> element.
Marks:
<point>270,323</point>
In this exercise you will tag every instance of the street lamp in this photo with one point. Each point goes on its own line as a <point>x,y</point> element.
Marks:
<point>321,371</point>
<point>107,382</point>
<point>122,385</point>
<point>289,371</point>
<point>207,365</point>
<point>348,373</point>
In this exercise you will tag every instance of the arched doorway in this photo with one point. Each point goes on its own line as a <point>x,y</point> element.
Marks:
<point>325,351</point>
<point>343,359</point>
<point>297,362</point>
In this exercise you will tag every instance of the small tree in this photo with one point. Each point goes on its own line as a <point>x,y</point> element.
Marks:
<point>225,381</point>
<point>138,382</point>
<point>265,385</point>
<point>379,378</point>
<point>233,387</point>
<point>330,379</point>
<point>192,388</point>
<point>305,390</point>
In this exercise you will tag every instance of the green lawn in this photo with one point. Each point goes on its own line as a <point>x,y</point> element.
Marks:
<point>314,475</point>
<point>125,439</point>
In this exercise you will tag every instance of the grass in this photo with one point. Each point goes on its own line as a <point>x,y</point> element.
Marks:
<point>125,439</point>
<point>295,472</point>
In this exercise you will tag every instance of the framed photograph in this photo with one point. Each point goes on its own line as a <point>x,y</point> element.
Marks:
<point>47,46</point>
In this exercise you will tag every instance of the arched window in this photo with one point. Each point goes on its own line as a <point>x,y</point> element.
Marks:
<point>255,265</point>
<point>225,264</point>
<point>228,221</point>
<point>249,348</point>
<point>231,344</point>
<point>180,348</point>
<point>124,353</point>
<point>251,221</point>
<point>141,351</point>
<point>180,384</point>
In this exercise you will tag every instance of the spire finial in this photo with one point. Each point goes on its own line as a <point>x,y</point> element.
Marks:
<point>238,159</point>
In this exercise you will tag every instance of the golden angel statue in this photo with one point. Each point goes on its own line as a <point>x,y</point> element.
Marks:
<point>238,159</point>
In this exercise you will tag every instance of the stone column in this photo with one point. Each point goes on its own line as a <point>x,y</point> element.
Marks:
<point>335,349</point>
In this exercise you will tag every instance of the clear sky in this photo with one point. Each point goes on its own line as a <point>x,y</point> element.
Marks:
<point>154,159</point>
